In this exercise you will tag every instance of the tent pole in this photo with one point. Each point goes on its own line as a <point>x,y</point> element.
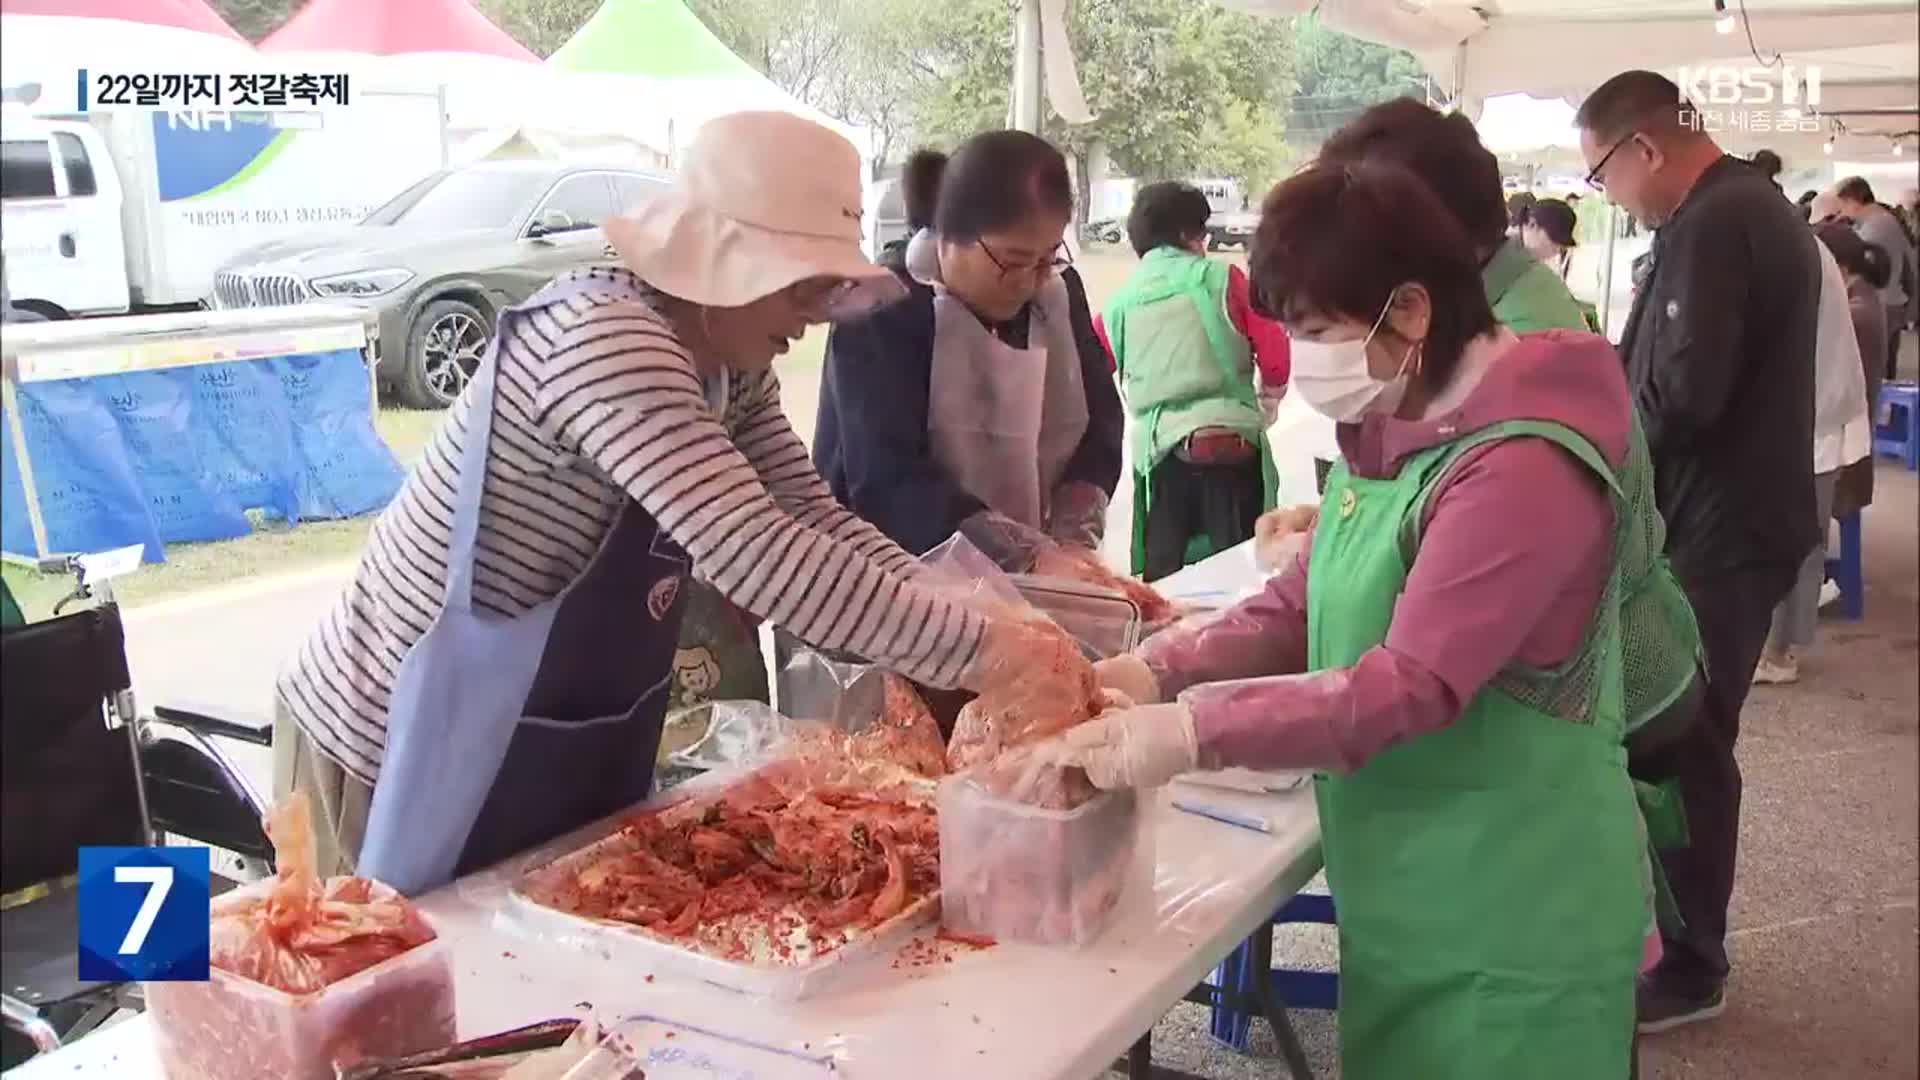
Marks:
<point>1026,67</point>
<point>1606,270</point>
<point>446,142</point>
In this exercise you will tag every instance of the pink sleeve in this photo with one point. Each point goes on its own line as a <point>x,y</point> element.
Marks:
<point>1100,330</point>
<point>1481,594</point>
<point>1265,634</point>
<point>1271,351</point>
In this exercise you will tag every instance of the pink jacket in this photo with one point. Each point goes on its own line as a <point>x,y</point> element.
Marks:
<point>1515,554</point>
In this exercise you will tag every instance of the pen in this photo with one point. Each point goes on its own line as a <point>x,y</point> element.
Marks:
<point>1255,822</point>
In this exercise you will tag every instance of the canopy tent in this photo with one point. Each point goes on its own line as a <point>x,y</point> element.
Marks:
<point>192,15</point>
<point>656,53</point>
<point>385,28</point>
<point>41,54</point>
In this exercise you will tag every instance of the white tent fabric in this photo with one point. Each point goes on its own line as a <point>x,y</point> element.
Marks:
<point>1868,51</point>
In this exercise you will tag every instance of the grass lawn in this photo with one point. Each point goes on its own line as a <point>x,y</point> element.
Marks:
<point>274,548</point>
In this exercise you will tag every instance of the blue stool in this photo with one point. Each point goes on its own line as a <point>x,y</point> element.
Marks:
<point>1845,570</point>
<point>1253,960</point>
<point>1896,425</point>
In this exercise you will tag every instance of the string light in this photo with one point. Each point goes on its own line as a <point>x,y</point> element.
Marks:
<point>1723,21</point>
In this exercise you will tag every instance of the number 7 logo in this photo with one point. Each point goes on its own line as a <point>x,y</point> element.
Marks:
<point>159,882</point>
<point>143,913</point>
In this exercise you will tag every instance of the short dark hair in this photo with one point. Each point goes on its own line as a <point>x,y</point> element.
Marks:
<point>1556,219</point>
<point>1635,99</point>
<point>1519,206</point>
<point>1443,149</point>
<point>1337,240</point>
<point>1855,255</point>
<point>1855,189</point>
<point>996,179</point>
<point>920,186</point>
<point>1806,197</point>
<point>1767,162</point>
<point>1169,213</point>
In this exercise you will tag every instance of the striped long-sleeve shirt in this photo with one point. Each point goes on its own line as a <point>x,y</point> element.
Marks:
<point>598,402</point>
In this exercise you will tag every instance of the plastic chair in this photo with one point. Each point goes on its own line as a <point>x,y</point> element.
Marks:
<point>1293,988</point>
<point>1844,570</point>
<point>1896,429</point>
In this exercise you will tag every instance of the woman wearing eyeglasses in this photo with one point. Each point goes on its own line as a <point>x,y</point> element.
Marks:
<point>983,402</point>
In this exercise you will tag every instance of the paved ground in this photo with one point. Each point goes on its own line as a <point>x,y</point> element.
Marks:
<point>1826,980</point>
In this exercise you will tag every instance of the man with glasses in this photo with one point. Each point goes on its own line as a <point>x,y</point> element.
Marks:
<point>1719,351</point>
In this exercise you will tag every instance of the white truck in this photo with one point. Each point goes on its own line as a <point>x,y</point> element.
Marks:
<point>111,212</point>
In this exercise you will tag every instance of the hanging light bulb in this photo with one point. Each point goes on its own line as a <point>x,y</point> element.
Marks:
<point>1723,21</point>
<point>1827,148</point>
<point>1898,149</point>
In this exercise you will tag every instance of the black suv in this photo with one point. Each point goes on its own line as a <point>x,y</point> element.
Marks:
<point>440,261</point>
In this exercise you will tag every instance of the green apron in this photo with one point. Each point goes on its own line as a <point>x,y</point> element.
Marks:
<point>1169,395</point>
<point>1491,878</point>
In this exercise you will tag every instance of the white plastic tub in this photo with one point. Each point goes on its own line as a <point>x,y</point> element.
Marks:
<point>1014,872</point>
<point>232,1028</point>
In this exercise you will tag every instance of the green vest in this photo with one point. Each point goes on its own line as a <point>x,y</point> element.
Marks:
<point>1183,366</point>
<point>1527,294</point>
<point>1492,878</point>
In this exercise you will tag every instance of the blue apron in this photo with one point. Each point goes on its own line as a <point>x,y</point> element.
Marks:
<point>504,733</point>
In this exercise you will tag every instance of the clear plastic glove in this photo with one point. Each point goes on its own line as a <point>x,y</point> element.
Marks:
<point>1016,649</point>
<point>1079,515</point>
<point>1280,535</point>
<point>1012,546</point>
<point>1142,747</point>
<point>1129,676</point>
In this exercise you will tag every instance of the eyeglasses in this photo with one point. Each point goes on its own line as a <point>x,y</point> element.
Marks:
<point>1053,263</point>
<point>1594,179</point>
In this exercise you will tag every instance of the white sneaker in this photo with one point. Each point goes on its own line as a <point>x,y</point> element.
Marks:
<point>1829,592</point>
<point>1768,673</point>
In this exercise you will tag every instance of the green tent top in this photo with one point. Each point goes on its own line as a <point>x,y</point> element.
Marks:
<point>659,38</point>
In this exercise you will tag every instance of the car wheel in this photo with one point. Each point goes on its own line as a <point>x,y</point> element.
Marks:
<point>444,349</point>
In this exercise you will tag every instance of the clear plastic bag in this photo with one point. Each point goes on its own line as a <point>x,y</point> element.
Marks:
<point>306,975</point>
<point>1016,872</point>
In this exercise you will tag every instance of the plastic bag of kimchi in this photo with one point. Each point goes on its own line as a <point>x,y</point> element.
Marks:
<point>303,933</point>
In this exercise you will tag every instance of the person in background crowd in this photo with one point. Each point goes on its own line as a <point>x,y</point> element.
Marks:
<point>1842,435</point>
<point>1769,165</point>
<point>1548,234</point>
<point>1866,268</point>
<point>1444,150</point>
<point>1719,352</point>
<point>1877,225</point>
<point>1202,374</point>
<point>1454,680</point>
<point>1805,205</point>
<point>1518,205</point>
<point>919,193</point>
<point>983,402</point>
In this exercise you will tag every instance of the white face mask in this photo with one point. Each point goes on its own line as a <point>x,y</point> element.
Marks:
<point>1334,380</point>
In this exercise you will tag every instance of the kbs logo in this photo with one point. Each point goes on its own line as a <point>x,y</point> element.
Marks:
<point>1752,98</point>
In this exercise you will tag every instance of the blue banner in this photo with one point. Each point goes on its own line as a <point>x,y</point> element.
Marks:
<point>180,454</point>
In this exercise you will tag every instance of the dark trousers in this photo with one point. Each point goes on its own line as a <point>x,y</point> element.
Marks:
<point>1735,613</point>
<point>1896,321</point>
<point>1220,502</point>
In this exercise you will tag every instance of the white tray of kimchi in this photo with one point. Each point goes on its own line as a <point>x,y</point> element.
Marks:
<point>773,884</point>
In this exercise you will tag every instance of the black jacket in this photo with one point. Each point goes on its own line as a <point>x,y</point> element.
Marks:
<point>1719,351</point>
<point>871,441</point>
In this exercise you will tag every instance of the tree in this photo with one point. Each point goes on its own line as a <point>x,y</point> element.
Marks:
<point>540,25</point>
<point>255,19</point>
<point>1339,77</point>
<point>1176,87</point>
